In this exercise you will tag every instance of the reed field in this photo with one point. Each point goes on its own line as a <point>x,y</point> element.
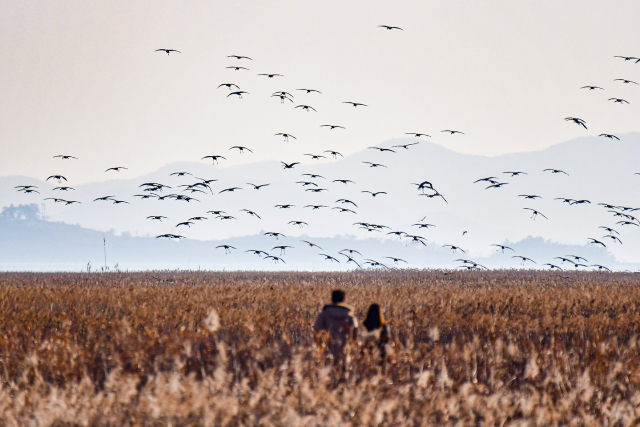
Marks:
<point>496,348</point>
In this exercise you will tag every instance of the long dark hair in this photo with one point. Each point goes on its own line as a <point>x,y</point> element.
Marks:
<point>374,319</point>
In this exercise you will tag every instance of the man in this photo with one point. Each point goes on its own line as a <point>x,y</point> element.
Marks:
<point>337,318</point>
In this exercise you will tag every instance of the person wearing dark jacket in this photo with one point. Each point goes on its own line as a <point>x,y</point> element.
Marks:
<point>378,334</point>
<point>337,318</point>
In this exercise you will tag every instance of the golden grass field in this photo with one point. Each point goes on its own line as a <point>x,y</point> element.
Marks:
<point>500,348</point>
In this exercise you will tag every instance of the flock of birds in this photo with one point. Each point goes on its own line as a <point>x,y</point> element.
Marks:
<point>198,188</point>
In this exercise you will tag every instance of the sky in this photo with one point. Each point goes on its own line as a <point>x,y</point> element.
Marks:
<point>83,78</point>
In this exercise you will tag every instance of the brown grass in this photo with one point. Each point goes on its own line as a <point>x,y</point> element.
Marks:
<point>469,348</point>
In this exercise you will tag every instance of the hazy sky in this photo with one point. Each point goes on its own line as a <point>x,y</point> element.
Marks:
<point>82,78</point>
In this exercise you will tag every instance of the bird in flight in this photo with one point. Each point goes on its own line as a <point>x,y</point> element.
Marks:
<point>257,187</point>
<point>627,58</point>
<point>597,242</point>
<point>529,196</point>
<point>503,247</point>
<point>241,149</point>
<point>331,127</point>
<point>335,154</point>
<point>406,146</point>
<point>524,259</point>
<point>382,150</point>
<point>228,85</point>
<point>313,176</point>
<point>454,248</point>
<point>237,68</point>
<point>619,100</point>
<point>625,81</point>
<point>170,236</point>
<point>252,213</point>
<point>374,194</point>
<point>329,258</point>
<point>227,248</point>
<point>239,57</point>
<point>156,217</point>
<point>577,121</point>
<point>167,50</point>
<point>274,234</point>
<point>214,158</point>
<point>343,181</point>
<point>179,173</point>
<point>310,90</point>
<point>374,165</point>
<point>286,136</point>
<point>601,267</point>
<point>289,165</point>
<point>311,245</point>
<point>271,75</point>
<point>230,190</point>
<point>535,213</point>
<point>59,178</point>
<point>238,93</point>
<point>116,168</point>
<point>591,87</point>
<point>555,171</point>
<point>283,95</point>
<point>396,260</point>
<point>497,185</point>
<point>64,157</point>
<point>355,104</point>
<point>452,131</point>
<point>516,173</point>
<point>610,136</point>
<point>315,156</point>
<point>390,27</point>
<point>306,107</point>
<point>344,201</point>
<point>298,223</point>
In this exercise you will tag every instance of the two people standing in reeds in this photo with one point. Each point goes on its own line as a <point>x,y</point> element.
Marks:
<point>339,321</point>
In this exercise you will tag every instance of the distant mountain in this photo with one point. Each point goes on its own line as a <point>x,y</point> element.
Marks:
<point>599,170</point>
<point>30,243</point>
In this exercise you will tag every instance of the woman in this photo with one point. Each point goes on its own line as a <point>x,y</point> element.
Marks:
<point>377,331</point>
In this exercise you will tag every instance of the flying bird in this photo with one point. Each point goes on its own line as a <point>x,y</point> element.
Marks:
<point>59,178</point>
<point>116,169</point>
<point>555,171</point>
<point>285,135</point>
<point>306,107</point>
<point>289,165</point>
<point>374,165</point>
<point>625,81</point>
<point>270,75</point>
<point>591,87</point>
<point>239,57</point>
<point>406,146</point>
<point>257,187</point>
<point>608,135</point>
<point>577,121</point>
<point>214,158</point>
<point>241,149</point>
<point>64,157</point>
<point>390,27</point>
<point>331,127</point>
<point>452,132</point>
<point>228,85</point>
<point>167,50</point>
<point>335,154</point>
<point>535,213</point>
<point>238,93</point>
<point>619,100</point>
<point>355,104</point>
<point>310,90</point>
